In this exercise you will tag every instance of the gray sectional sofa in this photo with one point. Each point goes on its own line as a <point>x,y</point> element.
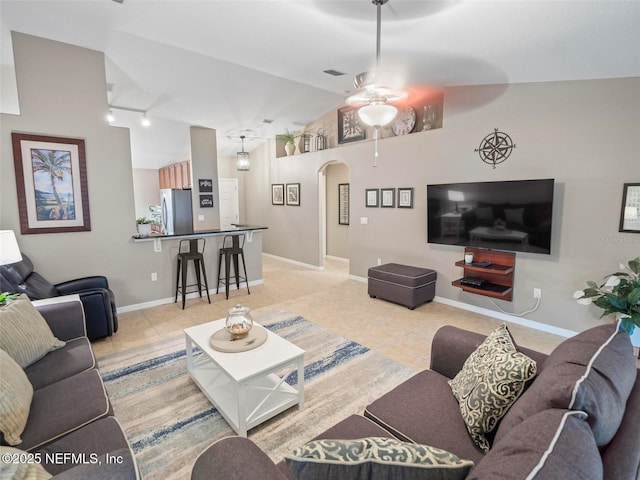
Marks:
<point>70,429</point>
<point>578,418</point>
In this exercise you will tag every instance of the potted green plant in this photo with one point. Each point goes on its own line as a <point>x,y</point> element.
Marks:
<point>289,139</point>
<point>144,226</point>
<point>619,295</point>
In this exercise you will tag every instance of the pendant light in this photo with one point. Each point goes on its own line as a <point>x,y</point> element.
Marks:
<point>377,112</point>
<point>242,162</point>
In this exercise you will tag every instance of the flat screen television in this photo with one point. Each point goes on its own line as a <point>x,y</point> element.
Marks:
<point>510,215</point>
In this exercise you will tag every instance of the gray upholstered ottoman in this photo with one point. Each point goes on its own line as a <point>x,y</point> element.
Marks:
<point>403,284</point>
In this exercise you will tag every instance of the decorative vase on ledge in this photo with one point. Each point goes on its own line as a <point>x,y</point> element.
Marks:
<point>289,148</point>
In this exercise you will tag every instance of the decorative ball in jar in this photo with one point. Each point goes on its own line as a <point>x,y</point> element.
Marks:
<point>239,322</point>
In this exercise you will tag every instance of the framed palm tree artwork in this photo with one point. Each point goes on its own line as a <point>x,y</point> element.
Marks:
<point>51,181</point>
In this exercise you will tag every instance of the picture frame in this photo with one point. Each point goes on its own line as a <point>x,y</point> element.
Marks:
<point>371,197</point>
<point>206,201</point>
<point>277,194</point>
<point>293,194</point>
<point>349,127</point>
<point>630,211</point>
<point>51,182</point>
<point>388,197</point>
<point>205,185</point>
<point>405,197</point>
<point>343,204</point>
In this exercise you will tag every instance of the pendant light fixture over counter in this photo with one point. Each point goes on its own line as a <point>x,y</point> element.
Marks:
<point>242,162</point>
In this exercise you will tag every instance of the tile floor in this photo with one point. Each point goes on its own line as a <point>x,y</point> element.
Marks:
<point>329,298</point>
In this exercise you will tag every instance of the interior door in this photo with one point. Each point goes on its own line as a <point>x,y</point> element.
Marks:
<point>228,188</point>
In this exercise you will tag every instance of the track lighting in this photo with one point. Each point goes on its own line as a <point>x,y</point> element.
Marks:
<point>144,120</point>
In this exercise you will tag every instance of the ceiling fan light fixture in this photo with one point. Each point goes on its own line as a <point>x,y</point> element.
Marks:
<point>377,114</point>
<point>242,159</point>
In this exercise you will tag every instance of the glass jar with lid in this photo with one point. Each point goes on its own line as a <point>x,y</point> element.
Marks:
<point>239,322</point>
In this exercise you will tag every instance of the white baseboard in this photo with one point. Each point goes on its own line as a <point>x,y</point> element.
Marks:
<point>340,259</point>
<point>294,262</point>
<point>543,327</point>
<point>164,301</point>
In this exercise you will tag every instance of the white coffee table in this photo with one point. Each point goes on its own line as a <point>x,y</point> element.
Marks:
<point>248,387</point>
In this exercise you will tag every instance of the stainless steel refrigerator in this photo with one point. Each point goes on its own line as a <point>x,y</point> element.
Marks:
<point>177,213</point>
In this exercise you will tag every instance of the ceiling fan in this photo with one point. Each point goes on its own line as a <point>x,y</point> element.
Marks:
<point>376,98</point>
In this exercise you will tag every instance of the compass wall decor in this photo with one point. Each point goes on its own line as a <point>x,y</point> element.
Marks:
<point>495,148</point>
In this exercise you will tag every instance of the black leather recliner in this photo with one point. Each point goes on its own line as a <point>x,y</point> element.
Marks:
<point>97,299</point>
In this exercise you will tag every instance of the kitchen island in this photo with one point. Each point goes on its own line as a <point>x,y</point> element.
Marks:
<point>169,244</point>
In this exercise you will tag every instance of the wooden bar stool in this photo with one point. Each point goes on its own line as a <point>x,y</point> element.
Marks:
<point>195,252</point>
<point>232,249</point>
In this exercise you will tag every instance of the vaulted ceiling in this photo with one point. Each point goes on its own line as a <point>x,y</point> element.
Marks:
<point>231,65</point>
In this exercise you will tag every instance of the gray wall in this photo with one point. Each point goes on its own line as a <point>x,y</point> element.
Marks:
<point>337,235</point>
<point>583,134</point>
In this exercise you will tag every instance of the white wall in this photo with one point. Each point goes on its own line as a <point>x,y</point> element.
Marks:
<point>583,134</point>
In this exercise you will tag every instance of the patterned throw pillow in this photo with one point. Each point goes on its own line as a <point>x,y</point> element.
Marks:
<point>24,333</point>
<point>15,399</point>
<point>14,467</point>
<point>375,457</point>
<point>491,380</point>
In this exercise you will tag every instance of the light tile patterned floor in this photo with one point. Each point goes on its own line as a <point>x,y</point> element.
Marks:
<point>329,298</point>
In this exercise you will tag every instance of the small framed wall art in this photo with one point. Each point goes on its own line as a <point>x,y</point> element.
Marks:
<point>277,194</point>
<point>349,127</point>
<point>371,197</point>
<point>630,213</point>
<point>343,204</point>
<point>51,180</point>
<point>388,197</point>
<point>293,194</point>
<point>405,197</point>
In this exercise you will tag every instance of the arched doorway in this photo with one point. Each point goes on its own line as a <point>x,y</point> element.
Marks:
<point>334,231</point>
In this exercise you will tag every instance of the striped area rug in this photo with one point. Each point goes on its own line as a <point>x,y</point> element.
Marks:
<point>169,422</point>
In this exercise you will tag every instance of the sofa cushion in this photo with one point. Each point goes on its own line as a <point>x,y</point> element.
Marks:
<point>551,445</point>
<point>97,438</point>
<point>17,464</point>
<point>491,380</point>
<point>15,399</point>
<point>423,410</point>
<point>75,357</point>
<point>119,464</point>
<point>374,457</point>
<point>24,333</point>
<point>593,372</point>
<point>65,406</point>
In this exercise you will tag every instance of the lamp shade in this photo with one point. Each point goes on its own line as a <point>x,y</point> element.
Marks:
<point>455,196</point>
<point>9,250</point>
<point>377,114</point>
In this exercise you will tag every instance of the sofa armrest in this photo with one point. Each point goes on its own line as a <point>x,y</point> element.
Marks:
<point>80,284</point>
<point>65,316</point>
<point>235,458</point>
<point>450,348</point>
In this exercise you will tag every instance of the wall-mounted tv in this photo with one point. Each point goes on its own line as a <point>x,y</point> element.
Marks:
<point>510,215</point>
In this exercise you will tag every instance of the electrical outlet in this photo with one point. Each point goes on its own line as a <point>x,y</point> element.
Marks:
<point>537,293</point>
<point>379,261</point>
<point>154,277</point>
